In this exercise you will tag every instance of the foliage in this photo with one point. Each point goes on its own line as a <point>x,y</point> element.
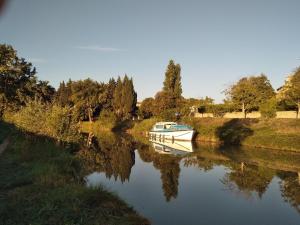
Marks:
<point>250,92</point>
<point>85,96</point>
<point>146,110</point>
<point>269,108</point>
<point>124,98</point>
<point>163,102</point>
<point>18,83</point>
<point>144,126</point>
<point>218,110</point>
<point>292,89</point>
<point>169,115</point>
<point>89,97</point>
<point>46,119</point>
<point>172,83</point>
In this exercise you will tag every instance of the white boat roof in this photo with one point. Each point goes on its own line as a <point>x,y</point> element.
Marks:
<point>166,123</point>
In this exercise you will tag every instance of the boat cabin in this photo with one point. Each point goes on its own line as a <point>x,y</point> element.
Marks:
<point>163,125</point>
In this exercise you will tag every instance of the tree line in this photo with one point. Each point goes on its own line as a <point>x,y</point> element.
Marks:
<point>19,86</point>
<point>251,93</point>
<point>88,99</point>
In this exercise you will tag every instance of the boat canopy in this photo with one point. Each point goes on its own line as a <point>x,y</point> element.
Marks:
<point>166,123</point>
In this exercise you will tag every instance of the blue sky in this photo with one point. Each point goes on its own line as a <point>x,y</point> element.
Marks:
<point>215,42</point>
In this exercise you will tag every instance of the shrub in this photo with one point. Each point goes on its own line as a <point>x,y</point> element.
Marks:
<point>268,109</point>
<point>46,119</point>
<point>218,110</point>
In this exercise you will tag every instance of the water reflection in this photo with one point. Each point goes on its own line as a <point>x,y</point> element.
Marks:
<point>108,153</point>
<point>247,172</point>
<point>167,164</point>
<point>172,147</point>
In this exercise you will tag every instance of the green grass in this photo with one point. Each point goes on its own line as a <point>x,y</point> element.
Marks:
<point>42,183</point>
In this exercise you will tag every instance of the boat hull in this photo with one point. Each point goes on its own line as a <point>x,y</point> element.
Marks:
<point>182,135</point>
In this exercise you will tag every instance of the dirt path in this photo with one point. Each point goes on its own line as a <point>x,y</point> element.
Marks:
<point>4,145</point>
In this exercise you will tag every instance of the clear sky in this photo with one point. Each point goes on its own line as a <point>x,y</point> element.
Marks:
<point>215,42</point>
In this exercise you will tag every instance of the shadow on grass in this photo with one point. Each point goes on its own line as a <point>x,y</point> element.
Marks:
<point>234,131</point>
<point>41,182</point>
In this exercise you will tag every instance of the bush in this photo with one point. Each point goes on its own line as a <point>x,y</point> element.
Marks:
<point>268,109</point>
<point>46,119</point>
<point>144,125</point>
<point>218,110</point>
<point>170,115</point>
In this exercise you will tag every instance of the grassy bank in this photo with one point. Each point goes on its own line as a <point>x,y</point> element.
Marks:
<point>283,134</point>
<point>42,183</point>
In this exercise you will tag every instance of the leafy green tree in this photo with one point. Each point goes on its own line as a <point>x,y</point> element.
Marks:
<point>18,81</point>
<point>85,96</point>
<point>146,109</point>
<point>292,92</point>
<point>250,92</point>
<point>163,101</point>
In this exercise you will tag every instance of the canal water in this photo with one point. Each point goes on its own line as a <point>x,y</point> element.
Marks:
<point>184,183</point>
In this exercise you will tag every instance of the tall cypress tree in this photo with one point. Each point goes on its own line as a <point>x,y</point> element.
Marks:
<point>117,100</point>
<point>172,83</point>
<point>125,98</point>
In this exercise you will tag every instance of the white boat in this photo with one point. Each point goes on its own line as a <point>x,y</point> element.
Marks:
<point>171,131</point>
<point>172,147</point>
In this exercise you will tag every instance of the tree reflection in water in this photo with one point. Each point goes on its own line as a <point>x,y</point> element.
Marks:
<point>249,171</point>
<point>108,153</point>
<point>290,188</point>
<point>248,180</point>
<point>168,165</point>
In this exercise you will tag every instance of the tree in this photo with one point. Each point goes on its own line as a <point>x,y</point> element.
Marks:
<point>85,96</point>
<point>147,108</point>
<point>250,92</point>
<point>117,100</point>
<point>107,97</point>
<point>172,83</point>
<point>18,81</point>
<point>292,90</point>
<point>63,94</point>
<point>163,101</point>
<point>125,97</point>
<point>129,97</point>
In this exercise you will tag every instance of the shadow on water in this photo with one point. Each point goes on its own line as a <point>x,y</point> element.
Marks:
<point>234,131</point>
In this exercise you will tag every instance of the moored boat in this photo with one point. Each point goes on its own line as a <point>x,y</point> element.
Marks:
<point>172,131</point>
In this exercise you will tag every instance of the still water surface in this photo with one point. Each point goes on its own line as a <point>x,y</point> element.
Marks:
<point>201,185</point>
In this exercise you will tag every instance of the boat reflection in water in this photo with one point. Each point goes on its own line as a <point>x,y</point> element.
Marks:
<point>172,147</point>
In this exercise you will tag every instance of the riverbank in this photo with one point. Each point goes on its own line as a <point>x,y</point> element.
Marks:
<point>281,134</point>
<point>43,183</point>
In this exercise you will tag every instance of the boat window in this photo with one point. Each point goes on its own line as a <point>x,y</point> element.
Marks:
<point>159,126</point>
